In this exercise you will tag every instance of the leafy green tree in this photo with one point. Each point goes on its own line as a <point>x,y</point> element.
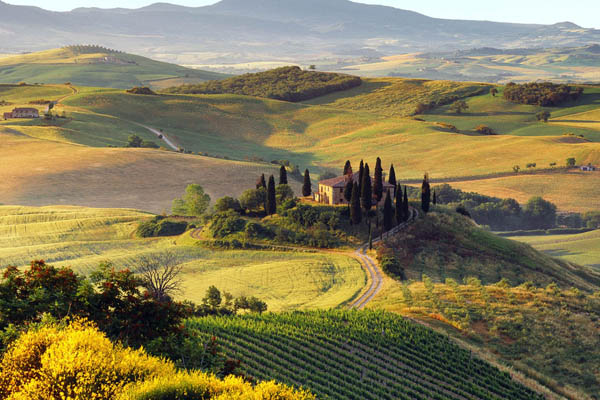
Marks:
<point>516,169</point>
<point>494,91</point>
<point>134,141</point>
<point>228,203</point>
<point>540,214</point>
<point>271,207</point>
<point>388,212</point>
<point>283,180</point>
<point>398,204</point>
<point>355,210</point>
<point>193,203</point>
<point>283,193</point>
<point>212,298</point>
<point>571,162</point>
<point>262,182</point>
<point>543,116</point>
<point>392,177</point>
<point>347,168</point>
<point>253,199</point>
<point>459,106</point>
<point>425,194</point>
<point>306,186</point>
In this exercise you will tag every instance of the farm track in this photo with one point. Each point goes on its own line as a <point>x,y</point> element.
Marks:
<point>371,267</point>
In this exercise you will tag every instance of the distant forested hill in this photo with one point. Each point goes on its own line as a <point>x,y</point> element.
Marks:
<point>285,83</point>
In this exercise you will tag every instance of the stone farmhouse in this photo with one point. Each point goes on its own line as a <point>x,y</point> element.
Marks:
<point>22,113</point>
<point>331,191</point>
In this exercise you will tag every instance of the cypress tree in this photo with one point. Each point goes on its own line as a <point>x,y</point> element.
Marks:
<point>434,198</point>
<point>355,211</point>
<point>366,191</point>
<point>405,210</point>
<point>392,177</point>
<point>261,183</point>
<point>283,175</point>
<point>306,187</point>
<point>347,168</point>
<point>271,207</point>
<point>378,184</point>
<point>348,191</point>
<point>361,172</point>
<point>399,205</point>
<point>388,212</point>
<point>425,194</point>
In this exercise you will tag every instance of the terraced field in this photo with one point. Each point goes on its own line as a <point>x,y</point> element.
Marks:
<point>83,238</point>
<point>357,354</point>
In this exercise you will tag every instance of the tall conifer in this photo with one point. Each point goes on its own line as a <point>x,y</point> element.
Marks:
<point>388,212</point>
<point>271,207</point>
<point>355,211</point>
<point>307,186</point>
<point>347,168</point>
<point>366,191</point>
<point>399,210</point>
<point>361,172</point>
<point>434,198</point>
<point>405,209</point>
<point>348,191</point>
<point>378,181</point>
<point>283,175</point>
<point>392,178</point>
<point>425,194</point>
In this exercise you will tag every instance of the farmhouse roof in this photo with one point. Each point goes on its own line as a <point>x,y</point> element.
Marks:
<point>24,109</point>
<point>340,181</point>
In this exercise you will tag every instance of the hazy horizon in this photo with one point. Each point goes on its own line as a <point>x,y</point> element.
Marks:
<point>582,12</point>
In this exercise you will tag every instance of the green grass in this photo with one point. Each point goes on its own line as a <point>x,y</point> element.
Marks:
<point>357,354</point>
<point>95,67</point>
<point>82,238</point>
<point>581,248</point>
<point>445,244</point>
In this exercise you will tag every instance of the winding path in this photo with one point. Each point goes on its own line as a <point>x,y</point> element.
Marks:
<point>161,136</point>
<point>371,266</point>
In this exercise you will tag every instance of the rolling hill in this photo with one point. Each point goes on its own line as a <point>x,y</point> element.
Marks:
<point>278,30</point>
<point>559,64</point>
<point>96,66</point>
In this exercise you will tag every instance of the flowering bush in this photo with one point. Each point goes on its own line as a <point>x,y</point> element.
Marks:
<point>78,362</point>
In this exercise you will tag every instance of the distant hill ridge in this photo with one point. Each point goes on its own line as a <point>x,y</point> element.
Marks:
<point>94,65</point>
<point>277,29</point>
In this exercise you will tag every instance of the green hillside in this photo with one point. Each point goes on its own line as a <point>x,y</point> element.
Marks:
<point>351,354</point>
<point>96,66</point>
<point>445,244</point>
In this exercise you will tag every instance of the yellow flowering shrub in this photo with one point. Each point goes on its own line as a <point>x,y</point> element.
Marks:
<point>198,385</point>
<point>75,362</point>
<point>78,362</point>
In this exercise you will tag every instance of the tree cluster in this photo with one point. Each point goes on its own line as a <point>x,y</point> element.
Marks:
<point>285,83</point>
<point>544,94</point>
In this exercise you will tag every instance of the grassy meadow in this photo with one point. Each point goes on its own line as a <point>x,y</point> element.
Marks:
<point>82,238</point>
<point>583,249</point>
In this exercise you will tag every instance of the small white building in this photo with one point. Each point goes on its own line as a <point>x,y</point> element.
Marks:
<point>588,168</point>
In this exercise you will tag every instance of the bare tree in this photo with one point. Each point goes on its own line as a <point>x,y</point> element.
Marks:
<point>161,274</point>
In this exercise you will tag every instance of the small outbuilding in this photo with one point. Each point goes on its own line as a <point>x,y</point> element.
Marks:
<point>588,168</point>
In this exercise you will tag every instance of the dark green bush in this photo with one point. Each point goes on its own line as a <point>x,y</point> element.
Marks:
<point>160,226</point>
<point>225,223</point>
